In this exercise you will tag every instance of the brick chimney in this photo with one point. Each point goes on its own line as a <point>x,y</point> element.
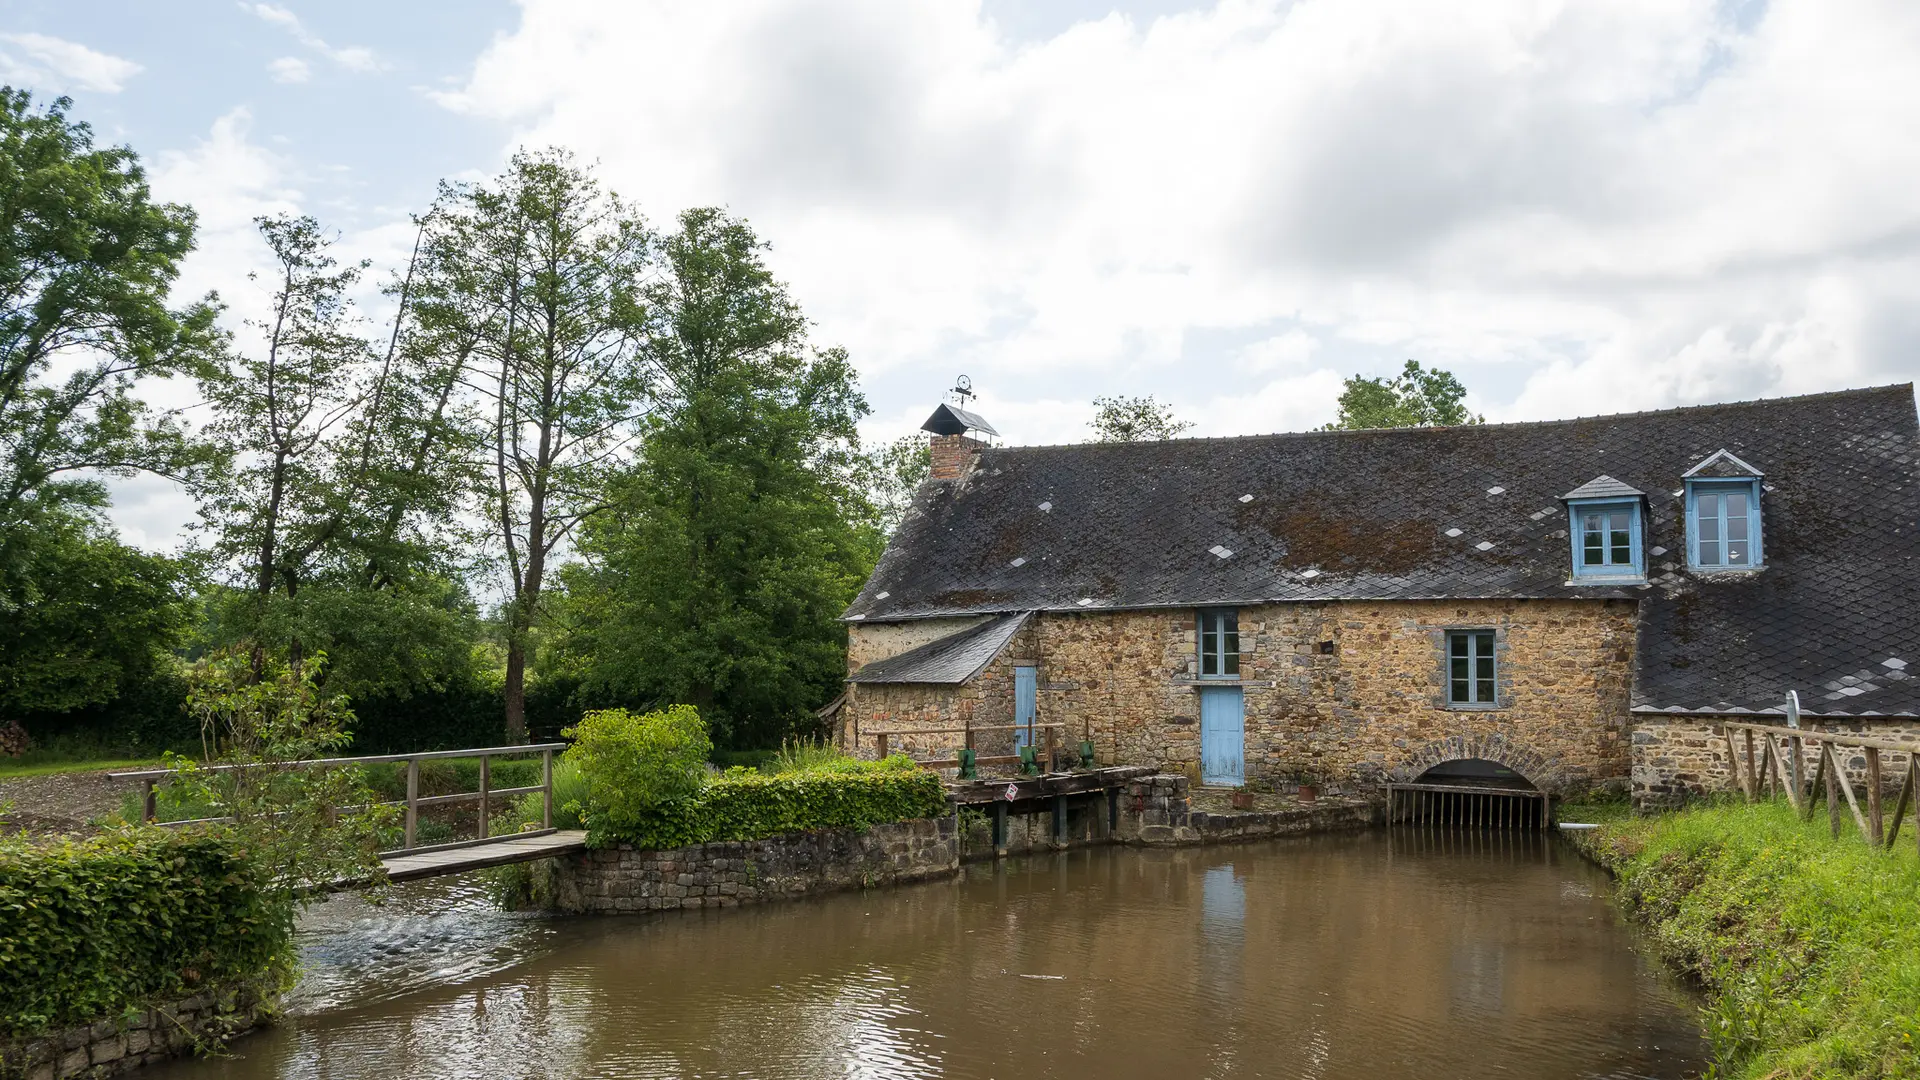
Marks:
<point>952,447</point>
<point>951,453</point>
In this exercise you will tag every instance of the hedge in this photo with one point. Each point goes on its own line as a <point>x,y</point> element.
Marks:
<point>89,930</point>
<point>742,805</point>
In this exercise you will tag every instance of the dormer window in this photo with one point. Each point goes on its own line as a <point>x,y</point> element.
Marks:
<point>1723,514</point>
<point>1604,521</point>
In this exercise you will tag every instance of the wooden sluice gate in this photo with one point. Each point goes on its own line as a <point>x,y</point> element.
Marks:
<point>1063,796</point>
<point>1468,806</point>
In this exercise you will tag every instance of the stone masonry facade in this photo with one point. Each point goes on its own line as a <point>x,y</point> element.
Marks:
<point>111,1047</point>
<point>1679,757</point>
<point>625,879</point>
<point>1343,695</point>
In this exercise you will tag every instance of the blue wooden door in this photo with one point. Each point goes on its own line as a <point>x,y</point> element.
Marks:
<point>1025,683</point>
<point>1222,726</point>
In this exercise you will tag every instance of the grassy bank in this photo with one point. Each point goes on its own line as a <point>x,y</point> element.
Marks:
<point>1808,947</point>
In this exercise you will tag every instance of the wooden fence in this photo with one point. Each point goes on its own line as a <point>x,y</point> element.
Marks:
<point>1050,732</point>
<point>413,802</point>
<point>1779,765</point>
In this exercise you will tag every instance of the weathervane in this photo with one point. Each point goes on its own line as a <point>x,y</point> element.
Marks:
<point>963,389</point>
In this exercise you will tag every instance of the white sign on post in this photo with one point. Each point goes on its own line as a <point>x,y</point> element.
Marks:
<point>1013,792</point>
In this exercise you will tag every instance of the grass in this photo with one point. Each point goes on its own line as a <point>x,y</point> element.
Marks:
<point>1808,947</point>
<point>29,765</point>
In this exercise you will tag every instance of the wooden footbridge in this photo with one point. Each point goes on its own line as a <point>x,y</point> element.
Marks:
<point>412,861</point>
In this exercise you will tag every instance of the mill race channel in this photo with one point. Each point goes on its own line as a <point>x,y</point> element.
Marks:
<point>1374,956</point>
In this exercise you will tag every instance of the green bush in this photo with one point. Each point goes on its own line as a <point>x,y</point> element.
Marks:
<point>1808,946</point>
<point>634,765</point>
<point>89,930</point>
<point>746,805</point>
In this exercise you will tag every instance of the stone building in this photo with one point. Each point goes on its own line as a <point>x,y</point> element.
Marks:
<point>1568,605</point>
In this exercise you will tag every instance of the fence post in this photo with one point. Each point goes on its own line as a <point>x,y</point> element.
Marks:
<point>413,800</point>
<point>546,788</point>
<point>150,809</point>
<point>486,777</point>
<point>1753,776</point>
<point>1053,749</point>
<point>1876,824</point>
<point>881,740</point>
<point>1795,770</point>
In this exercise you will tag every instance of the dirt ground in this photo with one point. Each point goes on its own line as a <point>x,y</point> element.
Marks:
<point>60,804</point>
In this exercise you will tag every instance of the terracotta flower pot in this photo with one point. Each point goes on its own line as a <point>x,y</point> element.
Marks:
<point>1308,793</point>
<point>1242,800</point>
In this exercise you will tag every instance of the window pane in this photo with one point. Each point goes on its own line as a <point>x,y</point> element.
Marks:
<point>1736,504</point>
<point>1622,547</point>
<point>1458,644</point>
<point>1460,669</point>
<point>1459,694</point>
<point>1736,553</point>
<point>1593,554</point>
<point>1737,527</point>
<point>1485,695</point>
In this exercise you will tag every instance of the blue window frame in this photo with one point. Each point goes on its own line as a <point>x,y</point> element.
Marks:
<point>1219,643</point>
<point>1470,671</point>
<point>1607,539</point>
<point>1723,524</point>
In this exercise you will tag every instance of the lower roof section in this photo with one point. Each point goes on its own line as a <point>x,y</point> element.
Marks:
<point>950,660</point>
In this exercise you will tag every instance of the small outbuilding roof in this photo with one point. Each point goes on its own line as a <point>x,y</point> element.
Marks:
<point>952,659</point>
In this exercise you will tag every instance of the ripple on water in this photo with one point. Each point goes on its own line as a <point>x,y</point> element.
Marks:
<point>1367,957</point>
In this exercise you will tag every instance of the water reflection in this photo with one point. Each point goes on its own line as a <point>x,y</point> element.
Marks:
<point>1372,955</point>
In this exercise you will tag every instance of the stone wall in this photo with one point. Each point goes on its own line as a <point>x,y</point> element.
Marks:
<point>111,1047</point>
<point>1676,758</point>
<point>625,879</point>
<point>1344,695</point>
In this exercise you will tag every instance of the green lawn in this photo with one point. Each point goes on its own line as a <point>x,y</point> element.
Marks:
<point>30,765</point>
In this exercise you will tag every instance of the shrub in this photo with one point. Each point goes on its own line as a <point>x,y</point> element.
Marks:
<point>635,764</point>
<point>89,930</point>
<point>747,805</point>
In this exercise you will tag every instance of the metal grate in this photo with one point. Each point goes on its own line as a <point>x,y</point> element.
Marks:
<point>1467,806</point>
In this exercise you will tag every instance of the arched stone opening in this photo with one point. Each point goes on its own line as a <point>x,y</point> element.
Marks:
<point>1538,771</point>
<point>1476,772</point>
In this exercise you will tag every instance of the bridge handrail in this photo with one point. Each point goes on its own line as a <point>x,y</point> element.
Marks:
<point>1779,768</point>
<point>413,802</point>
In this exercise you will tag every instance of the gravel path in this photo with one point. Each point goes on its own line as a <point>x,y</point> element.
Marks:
<point>60,804</point>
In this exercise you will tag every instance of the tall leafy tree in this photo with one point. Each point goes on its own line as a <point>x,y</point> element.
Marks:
<point>1414,398</point>
<point>86,262</point>
<point>1134,419</point>
<point>719,573</point>
<point>536,297</point>
<point>338,511</point>
<point>894,472</point>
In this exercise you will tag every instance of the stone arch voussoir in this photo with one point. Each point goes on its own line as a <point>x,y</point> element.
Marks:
<point>1540,769</point>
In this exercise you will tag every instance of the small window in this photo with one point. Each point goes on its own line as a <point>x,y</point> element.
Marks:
<point>1219,643</point>
<point>1470,676</point>
<point>1606,540</point>
<point>1723,524</point>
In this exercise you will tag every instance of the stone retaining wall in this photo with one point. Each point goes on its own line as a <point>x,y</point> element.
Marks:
<point>627,879</point>
<point>1676,758</point>
<point>111,1047</point>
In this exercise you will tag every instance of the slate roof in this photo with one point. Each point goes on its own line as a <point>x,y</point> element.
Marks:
<point>954,420</point>
<point>951,659</point>
<point>1467,512</point>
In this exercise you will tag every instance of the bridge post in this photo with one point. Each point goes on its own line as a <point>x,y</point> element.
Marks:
<point>413,800</point>
<point>546,789</point>
<point>486,777</point>
<point>150,809</point>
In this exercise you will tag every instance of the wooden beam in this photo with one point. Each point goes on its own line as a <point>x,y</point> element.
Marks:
<point>1876,823</point>
<point>1906,796</point>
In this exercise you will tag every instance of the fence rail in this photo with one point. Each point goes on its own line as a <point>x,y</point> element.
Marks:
<point>1780,763</point>
<point>150,778</point>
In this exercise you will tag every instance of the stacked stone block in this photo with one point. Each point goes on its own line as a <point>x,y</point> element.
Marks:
<point>111,1047</point>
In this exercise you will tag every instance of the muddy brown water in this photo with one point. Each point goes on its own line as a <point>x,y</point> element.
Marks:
<point>1373,955</point>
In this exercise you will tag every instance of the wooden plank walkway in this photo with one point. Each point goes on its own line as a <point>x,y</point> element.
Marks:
<point>459,858</point>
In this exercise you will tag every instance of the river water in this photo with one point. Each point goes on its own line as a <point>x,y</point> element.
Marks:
<point>1377,956</point>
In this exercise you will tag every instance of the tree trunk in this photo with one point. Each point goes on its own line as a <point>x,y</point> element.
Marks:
<point>516,688</point>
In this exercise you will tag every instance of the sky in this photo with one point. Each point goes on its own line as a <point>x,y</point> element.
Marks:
<point>1577,208</point>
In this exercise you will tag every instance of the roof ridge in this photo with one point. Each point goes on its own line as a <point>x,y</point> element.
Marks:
<point>1859,391</point>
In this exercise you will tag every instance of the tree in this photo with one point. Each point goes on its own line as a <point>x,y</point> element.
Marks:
<point>280,408</point>
<point>1414,398</point>
<point>86,262</point>
<point>537,300</point>
<point>894,472</point>
<point>718,575</point>
<point>1134,419</point>
<point>82,616</point>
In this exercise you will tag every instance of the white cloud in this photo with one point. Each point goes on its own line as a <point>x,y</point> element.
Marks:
<point>290,69</point>
<point>63,65</point>
<point>1636,204</point>
<point>351,57</point>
